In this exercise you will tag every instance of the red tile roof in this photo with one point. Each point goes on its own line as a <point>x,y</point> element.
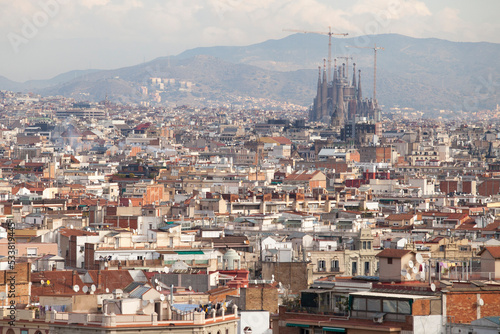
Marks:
<point>493,250</point>
<point>458,216</point>
<point>67,232</point>
<point>400,217</point>
<point>390,252</point>
<point>282,140</point>
<point>493,226</point>
<point>304,176</point>
<point>61,282</point>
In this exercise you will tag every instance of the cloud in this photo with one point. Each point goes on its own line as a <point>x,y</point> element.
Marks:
<point>93,3</point>
<point>449,20</point>
<point>163,27</point>
<point>396,9</point>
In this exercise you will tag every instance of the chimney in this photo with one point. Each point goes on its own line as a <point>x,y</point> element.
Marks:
<point>99,279</point>
<point>73,278</point>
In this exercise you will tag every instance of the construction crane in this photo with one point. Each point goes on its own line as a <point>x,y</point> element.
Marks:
<point>329,33</point>
<point>346,58</point>
<point>374,48</point>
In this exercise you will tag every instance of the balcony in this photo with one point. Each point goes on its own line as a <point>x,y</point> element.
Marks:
<point>123,320</point>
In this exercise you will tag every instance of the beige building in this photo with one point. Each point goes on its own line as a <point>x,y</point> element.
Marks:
<point>490,262</point>
<point>396,265</point>
<point>362,260</point>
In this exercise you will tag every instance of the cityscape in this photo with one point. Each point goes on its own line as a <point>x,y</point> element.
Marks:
<point>301,184</point>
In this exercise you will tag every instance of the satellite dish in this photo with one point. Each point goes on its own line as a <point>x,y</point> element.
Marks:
<point>151,301</point>
<point>93,288</point>
<point>433,287</point>
<point>408,276</point>
<point>480,302</point>
<point>162,297</point>
<point>76,288</point>
<point>107,290</point>
<point>85,289</point>
<point>166,270</point>
<point>190,288</point>
<point>156,280</point>
<point>419,258</point>
<point>410,263</point>
<point>417,277</point>
<point>415,269</point>
<point>158,288</point>
<point>33,267</point>
<point>3,295</point>
<point>71,226</point>
<point>42,282</point>
<point>404,272</point>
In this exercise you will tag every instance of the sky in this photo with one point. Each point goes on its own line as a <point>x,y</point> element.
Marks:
<point>42,38</point>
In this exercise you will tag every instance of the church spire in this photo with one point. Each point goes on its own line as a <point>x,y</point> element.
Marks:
<point>354,75</point>
<point>324,93</point>
<point>360,94</point>
<point>324,71</point>
<point>319,77</point>
<point>334,72</point>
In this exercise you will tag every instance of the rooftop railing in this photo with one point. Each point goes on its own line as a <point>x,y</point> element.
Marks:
<point>111,320</point>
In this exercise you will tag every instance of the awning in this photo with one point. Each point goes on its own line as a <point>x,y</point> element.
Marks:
<point>334,329</point>
<point>192,252</point>
<point>297,325</point>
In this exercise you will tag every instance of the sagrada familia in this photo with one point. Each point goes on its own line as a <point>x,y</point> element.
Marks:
<point>340,100</point>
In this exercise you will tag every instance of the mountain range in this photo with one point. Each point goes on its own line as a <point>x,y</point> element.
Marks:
<point>425,74</point>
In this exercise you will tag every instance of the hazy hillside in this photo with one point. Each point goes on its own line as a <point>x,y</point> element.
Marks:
<point>422,73</point>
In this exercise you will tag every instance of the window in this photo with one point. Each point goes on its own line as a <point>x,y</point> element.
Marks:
<point>32,251</point>
<point>404,307</point>
<point>367,268</point>
<point>373,305</point>
<point>354,268</point>
<point>359,304</point>
<point>397,306</point>
<point>364,244</point>
<point>390,306</point>
<point>382,305</point>
<point>335,265</point>
<point>139,257</point>
<point>369,245</point>
<point>321,265</point>
<point>389,260</point>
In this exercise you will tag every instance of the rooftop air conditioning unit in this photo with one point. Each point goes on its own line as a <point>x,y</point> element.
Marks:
<point>378,318</point>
